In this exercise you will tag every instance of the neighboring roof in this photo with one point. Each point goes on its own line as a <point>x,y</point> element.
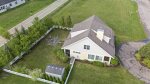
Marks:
<point>2,2</point>
<point>93,23</point>
<point>54,69</point>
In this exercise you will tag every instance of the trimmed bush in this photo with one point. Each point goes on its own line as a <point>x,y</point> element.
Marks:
<point>114,61</point>
<point>97,63</point>
<point>145,51</point>
<point>146,62</point>
<point>138,56</point>
<point>61,55</point>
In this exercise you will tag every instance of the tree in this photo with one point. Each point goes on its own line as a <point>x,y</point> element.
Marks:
<point>23,31</point>
<point>7,35</point>
<point>4,57</point>
<point>69,21</point>
<point>62,22</point>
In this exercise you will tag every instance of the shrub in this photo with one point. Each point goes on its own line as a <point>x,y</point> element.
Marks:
<point>4,57</point>
<point>7,35</point>
<point>66,73</point>
<point>145,51</point>
<point>36,73</point>
<point>97,63</point>
<point>24,39</point>
<point>19,69</point>
<point>61,55</point>
<point>147,62</point>
<point>138,56</point>
<point>114,61</point>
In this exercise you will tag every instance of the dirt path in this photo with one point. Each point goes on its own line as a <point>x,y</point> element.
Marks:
<point>41,14</point>
<point>126,52</point>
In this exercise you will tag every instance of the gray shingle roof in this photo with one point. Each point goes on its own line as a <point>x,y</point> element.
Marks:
<point>93,23</point>
<point>54,69</point>
<point>2,2</point>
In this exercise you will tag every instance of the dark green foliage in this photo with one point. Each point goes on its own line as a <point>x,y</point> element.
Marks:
<point>58,80</point>
<point>69,21</point>
<point>114,61</point>
<point>4,57</point>
<point>49,22</point>
<point>96,63</point>
<point>145,51</point>
<point>61,55</point>
<point>62,22</point>
<point>66,73</point>
<point>7,35</point>
<point>143,55</point>
<point>66,21</point>
<point>24,39</point>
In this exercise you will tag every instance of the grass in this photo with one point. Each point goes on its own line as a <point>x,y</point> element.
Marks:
<point>13,79</point>
<point>89,74</point>
<point>16,15</point>
<point>43,54</point>
<point>120,15</point>
<point>39,57</point>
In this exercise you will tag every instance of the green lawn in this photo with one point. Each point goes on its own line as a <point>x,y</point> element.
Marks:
<point>89,74</point>
<point>13,79</point>
<point>43,54</point>
<point>16,15</point>
<point>120,15</point>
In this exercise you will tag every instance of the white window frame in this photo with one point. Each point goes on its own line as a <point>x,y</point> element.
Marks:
<point>99,58</point>
<point>87,47</point>
<point>92,57</point>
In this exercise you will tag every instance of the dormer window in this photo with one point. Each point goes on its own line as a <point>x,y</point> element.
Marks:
<point>87,47</point>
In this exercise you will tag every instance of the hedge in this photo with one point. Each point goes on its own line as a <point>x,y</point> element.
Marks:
<point>23,40</point>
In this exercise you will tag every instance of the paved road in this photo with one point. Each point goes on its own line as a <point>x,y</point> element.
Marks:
<point>127,58</point>
<point>144,12</point>
<point>41,14</point>
<point>127,51</point>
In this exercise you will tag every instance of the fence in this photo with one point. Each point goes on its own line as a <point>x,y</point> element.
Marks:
<point>37,41</point>
<point>61,27</point>
<point>28,76</point>
<point>72,64</point>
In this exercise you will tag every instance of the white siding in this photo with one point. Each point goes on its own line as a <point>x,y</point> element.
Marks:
<point>79,47</point>
<point>13,5</point>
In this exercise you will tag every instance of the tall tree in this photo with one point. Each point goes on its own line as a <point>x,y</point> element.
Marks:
<point>69,21</point>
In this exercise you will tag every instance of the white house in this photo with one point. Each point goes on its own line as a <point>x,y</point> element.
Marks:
<point>8,4</point>
<point>91,40</point>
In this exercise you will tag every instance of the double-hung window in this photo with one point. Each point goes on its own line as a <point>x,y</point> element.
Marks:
<point>87,47</point>
<point>98,58</point>
<point>91,56</point>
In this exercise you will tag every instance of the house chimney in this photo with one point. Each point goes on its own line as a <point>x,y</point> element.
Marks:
<point>100,34</point>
